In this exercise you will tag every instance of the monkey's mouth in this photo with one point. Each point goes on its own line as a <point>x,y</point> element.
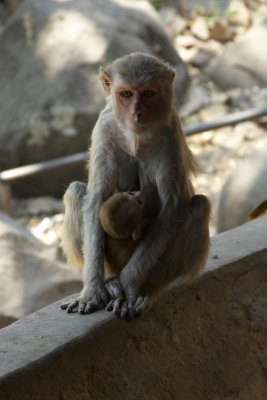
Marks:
<point>139,120</point>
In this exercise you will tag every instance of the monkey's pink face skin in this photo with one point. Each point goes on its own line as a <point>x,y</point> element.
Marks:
<point>138,104</point>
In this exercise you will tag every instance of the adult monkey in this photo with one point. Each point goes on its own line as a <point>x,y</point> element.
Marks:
<point>138,137</point>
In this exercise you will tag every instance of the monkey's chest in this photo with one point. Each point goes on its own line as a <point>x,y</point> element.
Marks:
<point>127,174</point>
<point>147,184</point>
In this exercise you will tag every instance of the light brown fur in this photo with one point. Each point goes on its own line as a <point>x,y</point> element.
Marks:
<point>121,217</point>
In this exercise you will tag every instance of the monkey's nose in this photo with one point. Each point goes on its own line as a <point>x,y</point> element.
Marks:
<point>137,116</point>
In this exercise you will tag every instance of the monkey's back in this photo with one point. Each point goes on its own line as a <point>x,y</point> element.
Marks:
<point>117,254</point>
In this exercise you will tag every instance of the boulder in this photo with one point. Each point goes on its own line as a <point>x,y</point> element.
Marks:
<point>32,276</point>
<point>242,192</point>
<point>50,94</point>
<point>244,64</point>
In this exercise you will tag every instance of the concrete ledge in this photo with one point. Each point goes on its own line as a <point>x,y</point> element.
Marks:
<point>206,340</point>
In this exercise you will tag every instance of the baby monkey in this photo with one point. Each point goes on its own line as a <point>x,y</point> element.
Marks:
<point>121,217</point>
<point>122,220</point>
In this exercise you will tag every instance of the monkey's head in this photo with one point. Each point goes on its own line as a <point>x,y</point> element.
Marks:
<point>121,215</point>
<point>140,86</point>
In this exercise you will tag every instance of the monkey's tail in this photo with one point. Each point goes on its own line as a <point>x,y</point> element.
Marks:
<point>73,224</point>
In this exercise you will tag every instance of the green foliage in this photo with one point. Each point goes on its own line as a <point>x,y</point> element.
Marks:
<point>159,3</point>
<point>213,15</point>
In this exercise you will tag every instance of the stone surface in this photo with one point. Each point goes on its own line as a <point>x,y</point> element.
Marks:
<point>242,192</point>
<point>206,340</point>
<point>244,64</point>
<point>173,22</point>
<point>50,94</point>
<point>31,274</point>
<point>200,29</point>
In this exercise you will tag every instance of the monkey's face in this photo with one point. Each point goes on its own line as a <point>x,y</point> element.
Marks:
<point>137,104</point>
<point>140,106</point>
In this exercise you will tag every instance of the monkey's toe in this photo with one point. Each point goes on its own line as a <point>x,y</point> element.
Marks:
<point>141,305</point>
<point>70,306</point>
<point>90,307</point>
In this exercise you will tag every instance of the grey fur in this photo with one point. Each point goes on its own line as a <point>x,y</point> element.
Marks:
<point>177,242</point>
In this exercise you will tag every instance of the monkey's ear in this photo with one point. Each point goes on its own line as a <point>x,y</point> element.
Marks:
<point>105,79</point>
<point>137,233</point>
<point>170,75</point>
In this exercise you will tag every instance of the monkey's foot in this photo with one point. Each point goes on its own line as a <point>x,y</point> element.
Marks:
<point>128,309</point>
<point>114,288</point>
<point>87,304</point>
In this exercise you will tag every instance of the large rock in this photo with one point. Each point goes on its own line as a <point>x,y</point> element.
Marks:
<point>243,65</point>
<point>243,191</point>
<point>31,274</point>
<point>50,95</point>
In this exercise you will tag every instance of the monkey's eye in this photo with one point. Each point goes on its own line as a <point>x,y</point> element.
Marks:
<point>126,93</point>
<point>131,193</point>
<point>148,93</point>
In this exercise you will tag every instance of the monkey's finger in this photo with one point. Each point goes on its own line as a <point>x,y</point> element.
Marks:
<point>70,306</point>
<point>81,308</point>
<point>123,311</point>
<point>110,305</point>
<point>141,305</point>
<point>91,306</point>
<point>139,301</point>
<point>117,307</point>
<point>64,306</point>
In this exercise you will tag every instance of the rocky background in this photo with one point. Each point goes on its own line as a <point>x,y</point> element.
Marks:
<point>50,52</point>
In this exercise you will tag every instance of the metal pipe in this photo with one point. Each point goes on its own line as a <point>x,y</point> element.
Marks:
<point>230,119</point>
<point>16,174</point>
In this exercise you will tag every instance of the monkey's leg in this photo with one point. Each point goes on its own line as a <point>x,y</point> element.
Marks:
<point>184,257</point>
<point>187,252</point>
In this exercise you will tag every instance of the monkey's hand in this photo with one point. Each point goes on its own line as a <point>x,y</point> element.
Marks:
<point>116,293</point>
<point>133,306</point>
<point>90,300</point>
<point>130,306</point>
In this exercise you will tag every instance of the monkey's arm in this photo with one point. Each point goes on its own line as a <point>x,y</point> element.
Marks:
<point>102,184</point>
<point>159,234</point>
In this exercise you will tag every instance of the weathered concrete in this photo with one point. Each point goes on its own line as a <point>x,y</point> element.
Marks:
<point>206,340</point>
